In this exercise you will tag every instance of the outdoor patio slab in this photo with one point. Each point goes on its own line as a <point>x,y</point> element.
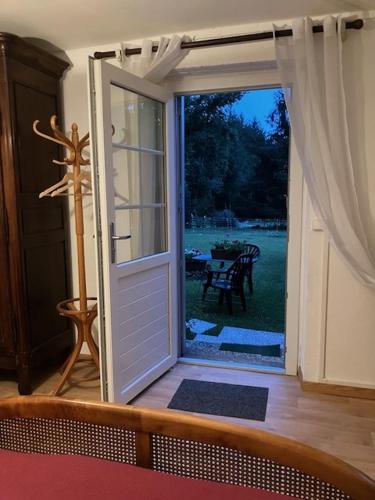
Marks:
<point>233,335</point>
<point>199,326</point>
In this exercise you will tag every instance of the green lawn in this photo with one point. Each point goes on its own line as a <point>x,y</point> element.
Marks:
<point>266,308</point>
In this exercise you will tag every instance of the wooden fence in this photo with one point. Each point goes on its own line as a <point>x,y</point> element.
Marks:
<point>232,223</point>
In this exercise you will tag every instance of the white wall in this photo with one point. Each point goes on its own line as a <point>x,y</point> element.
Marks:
<point>337,321</point>
<point>75,107</point>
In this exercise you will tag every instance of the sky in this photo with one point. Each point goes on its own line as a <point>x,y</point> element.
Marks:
<point>256,104</point>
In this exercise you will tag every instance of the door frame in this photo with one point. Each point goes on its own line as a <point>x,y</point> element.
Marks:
<point>224,79</point>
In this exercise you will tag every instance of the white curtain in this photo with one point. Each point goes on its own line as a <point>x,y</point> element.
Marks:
<point>311,69</point>
<point>155,66</point>
<point>147,228</point>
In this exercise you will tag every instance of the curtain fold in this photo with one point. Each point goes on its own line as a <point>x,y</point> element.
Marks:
<point>311,70</point>
<point>155,66</point>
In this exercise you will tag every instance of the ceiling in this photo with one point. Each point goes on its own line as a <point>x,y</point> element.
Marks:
<point>73,24</point>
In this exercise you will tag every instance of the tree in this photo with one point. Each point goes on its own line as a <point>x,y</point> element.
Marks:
<point>207,139</point>
<point>234,165</point>
<point>279,137</point>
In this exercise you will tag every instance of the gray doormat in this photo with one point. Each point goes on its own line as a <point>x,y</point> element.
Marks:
<point>214,398</point>
<point>265,350</point>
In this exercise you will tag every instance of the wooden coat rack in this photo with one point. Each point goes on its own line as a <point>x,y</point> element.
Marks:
<point>72,184</point>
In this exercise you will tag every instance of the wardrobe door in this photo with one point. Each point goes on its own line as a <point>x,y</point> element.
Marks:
<point>45,258</point>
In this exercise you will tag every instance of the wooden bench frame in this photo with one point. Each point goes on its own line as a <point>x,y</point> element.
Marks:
<point>22,418</point>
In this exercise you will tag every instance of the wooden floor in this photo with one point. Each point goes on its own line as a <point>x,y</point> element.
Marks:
<point>342,426</point>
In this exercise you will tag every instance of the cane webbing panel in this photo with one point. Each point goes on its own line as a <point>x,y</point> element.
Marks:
<point>217,463</point>
<point>70,437</point>
<point>171,455</point>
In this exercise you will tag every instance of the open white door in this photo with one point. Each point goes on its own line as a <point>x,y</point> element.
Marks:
<point>133,149</point>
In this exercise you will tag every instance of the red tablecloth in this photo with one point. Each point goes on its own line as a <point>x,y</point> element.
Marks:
<point>64,477</point>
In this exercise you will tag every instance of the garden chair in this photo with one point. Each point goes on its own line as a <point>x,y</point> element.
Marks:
<point>229,281</point>
<point>254,251</point>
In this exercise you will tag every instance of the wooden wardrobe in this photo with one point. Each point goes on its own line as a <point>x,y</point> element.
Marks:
<point>34,255</point>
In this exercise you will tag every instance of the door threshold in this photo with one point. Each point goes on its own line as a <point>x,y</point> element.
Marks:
<point>232,365</point>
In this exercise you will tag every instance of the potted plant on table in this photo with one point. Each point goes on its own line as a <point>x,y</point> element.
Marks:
<point>227,249</point>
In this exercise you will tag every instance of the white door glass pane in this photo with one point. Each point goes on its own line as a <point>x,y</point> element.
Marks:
<point>147,227</point>
<point>138,175</point>
<point>138,120</point>
<point>138,178</point>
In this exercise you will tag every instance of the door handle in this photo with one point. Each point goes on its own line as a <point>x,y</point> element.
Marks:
<point>114,238</point>
<point>125,237</point>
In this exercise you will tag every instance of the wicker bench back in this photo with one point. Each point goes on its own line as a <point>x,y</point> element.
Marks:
<point>170,442</point>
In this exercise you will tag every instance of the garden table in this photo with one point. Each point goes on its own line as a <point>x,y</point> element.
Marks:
<point>207,258</point>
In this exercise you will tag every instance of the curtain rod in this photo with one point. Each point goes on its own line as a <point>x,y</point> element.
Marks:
<point>357,24</point>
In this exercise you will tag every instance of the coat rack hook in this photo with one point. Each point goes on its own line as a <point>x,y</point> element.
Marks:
<point>60,135</point>
<point>45,136</point>
<point>58,162</point>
